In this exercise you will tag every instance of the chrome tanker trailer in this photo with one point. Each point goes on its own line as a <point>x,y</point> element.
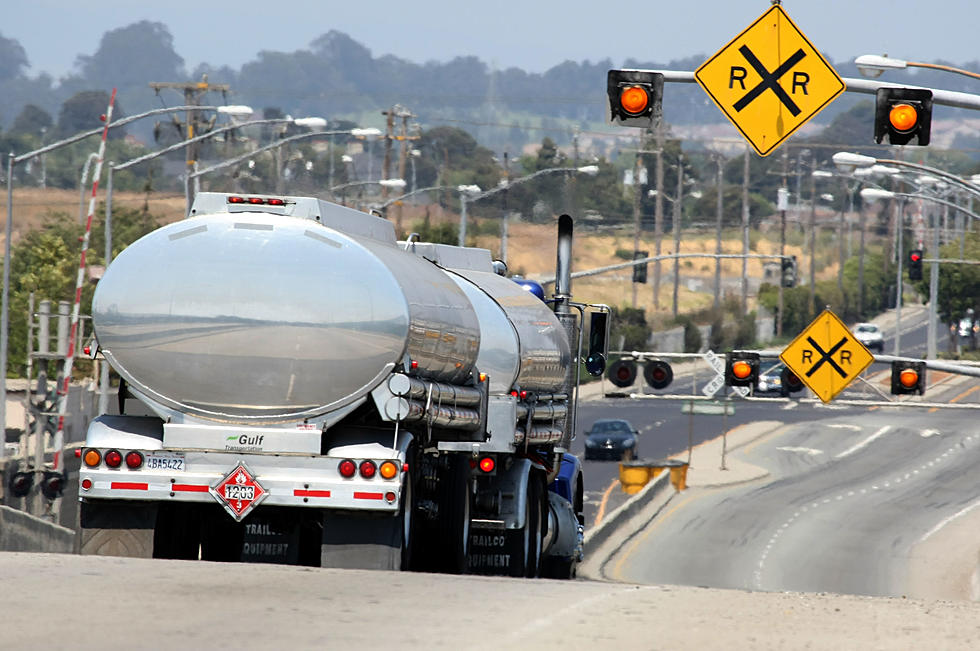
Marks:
<point>297,386</point>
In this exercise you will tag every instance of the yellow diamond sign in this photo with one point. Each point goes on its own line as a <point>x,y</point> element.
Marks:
<point>826,356</point>
<point>769,80</point>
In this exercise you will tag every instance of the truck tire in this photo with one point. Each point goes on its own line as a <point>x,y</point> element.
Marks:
<point>116,529</point>
<point>453,527</point>
<point>526,559</point>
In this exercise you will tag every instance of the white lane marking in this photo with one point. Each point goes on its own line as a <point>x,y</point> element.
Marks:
<point>926,433</point>
<point>810,451</point>
<point>791,405</point>
<point>945,522</point>
<point>863,444</point>
<point>854,428</point>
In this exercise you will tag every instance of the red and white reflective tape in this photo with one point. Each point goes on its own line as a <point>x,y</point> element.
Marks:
<point>59,437</point>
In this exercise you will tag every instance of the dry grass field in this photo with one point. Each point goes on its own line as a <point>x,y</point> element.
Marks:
<point>531,248</point>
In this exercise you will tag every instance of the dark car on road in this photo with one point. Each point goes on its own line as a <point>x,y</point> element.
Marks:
<point>611,438</point>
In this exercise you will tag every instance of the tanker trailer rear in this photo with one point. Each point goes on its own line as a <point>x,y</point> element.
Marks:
<point>348,400</point>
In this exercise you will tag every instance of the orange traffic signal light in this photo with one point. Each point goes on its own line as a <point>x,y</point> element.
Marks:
<point>635,97</point>
<point>903,115</point>
<point>741,369</point>
<point>908,377</point>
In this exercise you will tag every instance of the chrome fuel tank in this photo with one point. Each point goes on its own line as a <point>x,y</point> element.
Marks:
<point>254,317</point>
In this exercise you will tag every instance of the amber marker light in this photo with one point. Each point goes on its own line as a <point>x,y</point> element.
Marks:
<point>634,99</point>
<point>388,470</point>
<point>92,458</point>
<point>903,117</point>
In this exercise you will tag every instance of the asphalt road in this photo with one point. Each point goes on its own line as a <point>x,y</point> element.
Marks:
<point>850,497</point>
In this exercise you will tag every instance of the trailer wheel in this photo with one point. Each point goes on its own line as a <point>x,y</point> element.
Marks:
<point>454,517</point>
<point>116,529</point>
<point>527,554</point>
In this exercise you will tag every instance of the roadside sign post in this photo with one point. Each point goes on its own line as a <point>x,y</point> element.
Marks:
<point>769,80</point>
<point>826,356</point>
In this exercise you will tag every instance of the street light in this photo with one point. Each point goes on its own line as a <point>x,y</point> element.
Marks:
<point>848,162</point>
<point>872,65</point>
<point>394,184</point>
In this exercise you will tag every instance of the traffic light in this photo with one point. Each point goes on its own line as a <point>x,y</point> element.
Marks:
<point>791,381</point>
<point>53,484</point>
<point>903,114</point>
<point>741,369</point>
<point>915,264</point>
<point>640,270</point>
<point>789,271</point>
<point>658,374</point>
<point>595,362</point>
<point>908,377</point>
<point>622,372</point>
<point>635,97</point>
<point>20,483</point>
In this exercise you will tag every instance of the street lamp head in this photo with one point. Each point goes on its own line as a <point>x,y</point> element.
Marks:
<point>591,170</point>
<point>884,170</point>
<point>874,194</point>
<point>237,111</point>
<point>848,162</point>
<point>346,159</point>
<point>311,123</point>
<point>821,174</point>
<point>397,184</point>
<point>369,132</point>
<point>872,65</point>
<point>469,189</point>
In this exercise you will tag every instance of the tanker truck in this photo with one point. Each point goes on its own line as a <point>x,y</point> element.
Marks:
<point>297,386</point>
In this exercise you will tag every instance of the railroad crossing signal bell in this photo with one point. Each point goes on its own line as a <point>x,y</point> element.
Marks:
<point>635,97</point>
<point>908,377</point>
<point>904,115</point>
<point>741,369</point>
<point>915,264</point>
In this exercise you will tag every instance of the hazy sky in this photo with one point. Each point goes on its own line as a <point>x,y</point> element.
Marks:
<point>530,34</point>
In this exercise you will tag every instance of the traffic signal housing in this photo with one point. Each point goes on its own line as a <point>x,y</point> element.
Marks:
<point>658,374</point>
<point>789,271</point>
<point>640,270</point>
<point>903,115</point>
<point>915,264</point>
<point>595,362</point>
<point>622,372</point>
<point>20,483</point>
<point>908,377</point>
<point>742,369</point>
<point>635,97</point>
<point>791,381</point>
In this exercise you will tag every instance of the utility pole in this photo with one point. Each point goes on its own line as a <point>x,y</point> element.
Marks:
<point>721,168</point>
<point>389,136</point>
<point>658,219</point>
<point>193,125</point>
<point>783,201</point>
<point>676,218</point>
<point>404,139</point>
<point>637,190</point>
<point>745,233</point>
<point>813,246</point>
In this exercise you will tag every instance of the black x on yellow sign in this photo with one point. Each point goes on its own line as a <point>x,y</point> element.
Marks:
<point>769,80</point>
<point>826,356</point>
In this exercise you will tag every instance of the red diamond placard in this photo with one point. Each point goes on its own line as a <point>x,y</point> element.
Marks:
<point>239,492</point>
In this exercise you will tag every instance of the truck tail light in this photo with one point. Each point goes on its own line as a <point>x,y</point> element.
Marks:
<point>92,457</point>
<point>113,458</point>
<point>347,468</point>
<point>368,469</point>
<point>487,464</point>
<point>134,460</point>
<point>388,470</point>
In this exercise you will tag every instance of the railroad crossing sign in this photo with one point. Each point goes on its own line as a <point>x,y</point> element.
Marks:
<point>826,356</point>
<point>769,80</point>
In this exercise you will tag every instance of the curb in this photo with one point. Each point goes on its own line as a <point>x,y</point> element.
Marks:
<point>599,534</point>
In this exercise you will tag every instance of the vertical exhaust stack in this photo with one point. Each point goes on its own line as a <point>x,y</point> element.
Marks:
<point>568,319</point>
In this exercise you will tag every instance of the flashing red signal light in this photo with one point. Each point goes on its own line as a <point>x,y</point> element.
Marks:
<point>741,369</point>
<point>635,96</point>
<point>903,116</point>
<point>791,381</point>
<point>658,374</point>
<point>634,99</point>
<point>915,264</point>
<point>622,372</point>
<point>908,377</point>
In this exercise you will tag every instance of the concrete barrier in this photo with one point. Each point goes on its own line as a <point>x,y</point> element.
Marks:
<point>22,532</point>
<point>599,534</point>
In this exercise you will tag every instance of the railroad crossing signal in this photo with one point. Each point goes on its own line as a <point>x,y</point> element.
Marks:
<point>658,374</point>
<point>915,264</point>
<point>902,114</point>
<point>769,80</point>
<point>826,356</point>
<point>635,97</point>
<point>742,369</point>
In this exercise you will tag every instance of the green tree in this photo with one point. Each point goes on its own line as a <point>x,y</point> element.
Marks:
<point>32,120</point>
<point>959,284</point>
<point>13,59</point>
<point>83,112</point>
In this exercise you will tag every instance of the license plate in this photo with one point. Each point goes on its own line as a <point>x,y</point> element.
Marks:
<point>165,461</point>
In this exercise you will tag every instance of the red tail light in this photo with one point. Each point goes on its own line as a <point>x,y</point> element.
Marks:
<point>113,458</point>
<point>134,460</point>
<point>368,469</point>
<point>276,202</point>
<point>236,200</point>
<point>347,468</point>
<point>256,200</point>
<point>487,464</point>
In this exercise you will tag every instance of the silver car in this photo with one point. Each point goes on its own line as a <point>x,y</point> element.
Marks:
<point>870,335</point>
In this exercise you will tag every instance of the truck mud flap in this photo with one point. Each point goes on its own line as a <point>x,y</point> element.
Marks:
<point>116,529</point>
<point>357,541</point>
